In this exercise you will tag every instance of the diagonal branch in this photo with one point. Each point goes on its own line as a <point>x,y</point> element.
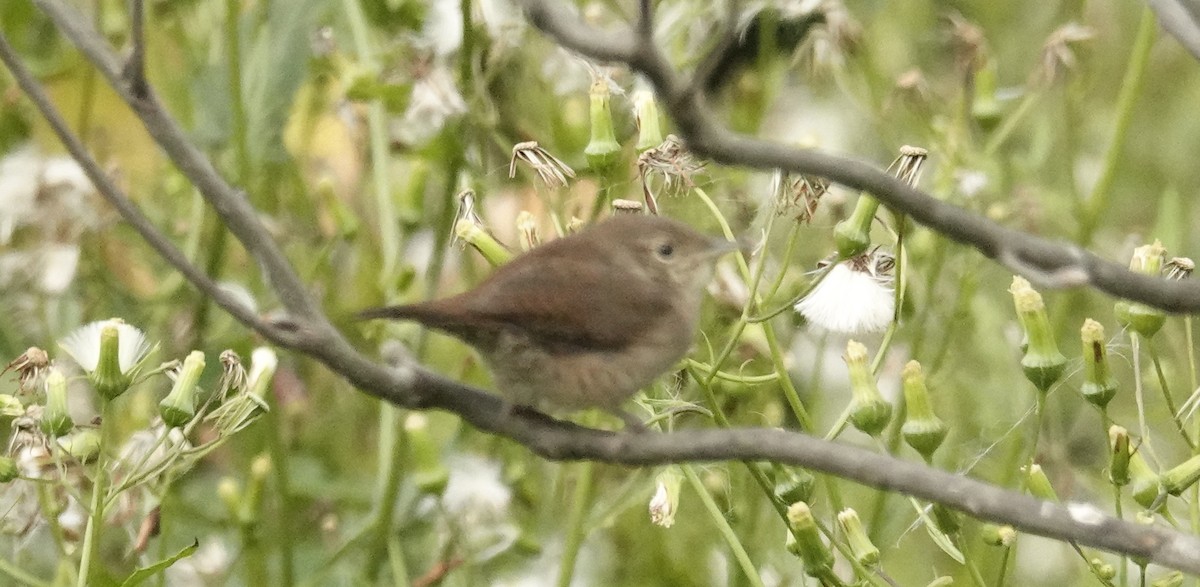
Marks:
<point>1043,261</point>
<point>412,386</point>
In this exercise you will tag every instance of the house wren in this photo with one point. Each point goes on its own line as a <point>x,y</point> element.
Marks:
<point>587,320</point>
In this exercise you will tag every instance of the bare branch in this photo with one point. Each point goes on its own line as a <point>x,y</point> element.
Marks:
<point>135,66</point>
<point>708,138</point>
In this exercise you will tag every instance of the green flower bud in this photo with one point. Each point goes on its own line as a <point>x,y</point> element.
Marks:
<point>478,237</point>
<point>1099,386</point>
<point>853,235</point>
<point>665,501</point>
<point>1119,456</point>
<point>107,378</point>
<point>430,472</point>
<point>179,407</point>
<point>83,445</point>
<point>8,469</point>
<point>1038,484</point>
<point>996,535</point>
<point>1181,476</point>
<point>56,421</point>
<point>869,412</point>
<point>1143,319</point>
<point>646,114</point>
<point>866,553</point>
<point>922,429</point>
<point>603,150</point>
<point>1102,569</point>
<point>794,485</point>
<point>1144,483</point>
<point>1172,579</point>
<point>1043,364</point>
<point>818,560</point>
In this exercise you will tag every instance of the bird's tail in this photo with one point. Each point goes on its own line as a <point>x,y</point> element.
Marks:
<point>431,314</point>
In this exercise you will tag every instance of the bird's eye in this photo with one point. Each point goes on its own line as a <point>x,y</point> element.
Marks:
<point>665,250</point>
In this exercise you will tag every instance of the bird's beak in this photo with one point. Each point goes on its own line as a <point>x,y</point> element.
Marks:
<point>720,247</point>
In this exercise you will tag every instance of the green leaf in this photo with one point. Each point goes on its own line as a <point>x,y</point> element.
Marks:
<point>939,538</point>
<point>146,572</point>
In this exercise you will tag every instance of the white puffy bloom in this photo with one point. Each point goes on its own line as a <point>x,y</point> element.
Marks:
<point>83,344</point>
<point>59,262</point>
<point>477,500</point>
<point>20,176</point>
<point>433,101</point>
<point>856,297</point>
<point>443,31</point>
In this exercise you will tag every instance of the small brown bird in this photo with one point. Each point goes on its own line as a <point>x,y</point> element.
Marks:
<point>587,320</point>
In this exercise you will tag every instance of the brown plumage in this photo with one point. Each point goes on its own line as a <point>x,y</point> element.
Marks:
<point>586,320</point>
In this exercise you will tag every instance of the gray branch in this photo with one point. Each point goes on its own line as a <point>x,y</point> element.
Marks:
<point>307,330</point>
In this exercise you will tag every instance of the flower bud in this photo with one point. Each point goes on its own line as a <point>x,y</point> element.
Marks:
<point>922,429</point>
<point>56,421</point>
<point>1172,579</point>
<point>83,446</point>
<point>1099,386</point>
<point>665,501</point>
<point>108,379</point>
<point>646,114</point>
<point>430,472</point>
<point>478,237</point>
<point>818,560</point>
<point>1103,570</point>
<point>996,535</point>
<point>1038,484</point>
<point>1143,319</point>
<point>179,407</point>
<point>1119,456</point>
<point>869,412</point>
<point>1043,364</point>
<point>794,485</point>
<point>985,107</point>
<point>1181,476</point>
<point>853,235</point>
<point>603,150</point>
<point>1144,483</point>
<point>866,553</point>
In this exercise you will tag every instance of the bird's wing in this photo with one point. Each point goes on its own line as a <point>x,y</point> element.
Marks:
<point>567,302</point>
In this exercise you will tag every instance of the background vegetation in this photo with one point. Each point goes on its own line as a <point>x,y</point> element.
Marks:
<point>353,126</point>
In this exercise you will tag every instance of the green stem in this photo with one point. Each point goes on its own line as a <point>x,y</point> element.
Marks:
<point>1010,123</point>
<point>91,537</point>
<point>1162,383</point>
<point>576,522</point>
<point>391,473</point>
<point>723,527</point>
<point>1131,87</point>
<point>1123,563</point>
<point>389,231</point>
<point>282,519</point>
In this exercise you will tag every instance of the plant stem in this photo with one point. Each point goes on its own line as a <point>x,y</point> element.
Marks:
<point>91,537</point>
<point>1170,401</point>
<point>1131,87</point>
<point>576,521</point>
<point>723,527</point>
